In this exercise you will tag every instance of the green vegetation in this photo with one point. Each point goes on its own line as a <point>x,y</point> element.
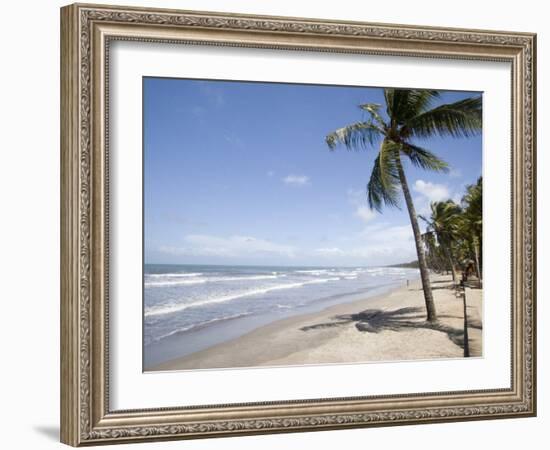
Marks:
<point>407,265</point>
<point>408,115</point>
<point>453,235</point>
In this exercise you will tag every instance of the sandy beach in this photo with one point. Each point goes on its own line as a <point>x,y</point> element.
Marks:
<point>385,328</point>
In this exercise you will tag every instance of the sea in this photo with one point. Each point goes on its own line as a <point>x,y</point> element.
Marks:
<point>188,308</point>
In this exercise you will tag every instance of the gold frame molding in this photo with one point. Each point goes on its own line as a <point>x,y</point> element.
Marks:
<point>86,31</point>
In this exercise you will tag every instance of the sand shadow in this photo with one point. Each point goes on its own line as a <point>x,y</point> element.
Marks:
<point>376,320</point>
<point>442,284</point>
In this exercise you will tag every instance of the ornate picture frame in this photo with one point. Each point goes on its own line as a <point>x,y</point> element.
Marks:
<point>87,31</point>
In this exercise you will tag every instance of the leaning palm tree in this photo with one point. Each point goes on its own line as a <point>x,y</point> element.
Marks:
<point>445,223</point>
<point>409,114</point>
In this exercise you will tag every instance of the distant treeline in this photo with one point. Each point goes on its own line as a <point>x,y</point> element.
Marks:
<point>407,265</point>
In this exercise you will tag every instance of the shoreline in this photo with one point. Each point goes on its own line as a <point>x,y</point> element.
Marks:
<point>201,338</point>
<point>384,327</point>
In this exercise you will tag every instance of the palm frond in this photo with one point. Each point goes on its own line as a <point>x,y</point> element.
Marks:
<point>372,109</point>
<point>403,104</point>
<point>399,104</point>
<point>424,159</point>
<point>473,206</point>
<point>458,119</point>
<point>383,185</point>
<point>388,96</point>
<point>445,219</point>
<point>354,136</point>
<point>419,100</point>
<point>389,153</point>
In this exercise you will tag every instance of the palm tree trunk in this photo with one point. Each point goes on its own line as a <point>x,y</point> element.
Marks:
<point>424,275</point>
<point>476,257</point>
<point>451,261</point>
<point>466,338</point>
<point>453,271</point>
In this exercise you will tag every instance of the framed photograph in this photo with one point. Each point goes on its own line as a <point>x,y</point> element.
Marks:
<point>275,224</point>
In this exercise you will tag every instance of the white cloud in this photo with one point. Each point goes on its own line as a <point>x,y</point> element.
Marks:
<point>357,198</point>
<point>296,180</point>
<point>270,173</point>
<point>377,244</point>
<point>232,246</point>
<point>383,243</point>
<point>332,251</point>
<point>422,205</point>
<point>385,233</point>
<point>432,191</point>
<point>365,213</point>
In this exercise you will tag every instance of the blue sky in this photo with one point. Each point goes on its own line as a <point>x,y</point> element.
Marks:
<point>239,173</point>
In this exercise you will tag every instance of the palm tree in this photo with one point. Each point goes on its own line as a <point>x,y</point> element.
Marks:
<point>434,259</point>
<point>444,223</point>
<point>473,219</point>
<point>409,115</point>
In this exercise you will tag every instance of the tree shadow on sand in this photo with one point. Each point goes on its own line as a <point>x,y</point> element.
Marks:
<point>447,286</point>
<point>376,320</point>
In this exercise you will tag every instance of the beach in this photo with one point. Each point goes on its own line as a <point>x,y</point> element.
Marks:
<point>387,327</point>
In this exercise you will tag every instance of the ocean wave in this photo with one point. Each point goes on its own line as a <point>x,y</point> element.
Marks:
<point>331,272</point>
<point>346,273</point>
<point>169,309</point>
<point>174,275</point>
<point>149,284</point>
<point>314,272</point>
<point>209,280</point>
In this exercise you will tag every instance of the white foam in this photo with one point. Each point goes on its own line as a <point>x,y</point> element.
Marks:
<point>283,306</point>
<point>199,325</point>
<point>208,280</point>
<point>313,272</point>
<point>168,309</point>
<point>149,284</point>
<point>347,273</point>
<point>173,275</point>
